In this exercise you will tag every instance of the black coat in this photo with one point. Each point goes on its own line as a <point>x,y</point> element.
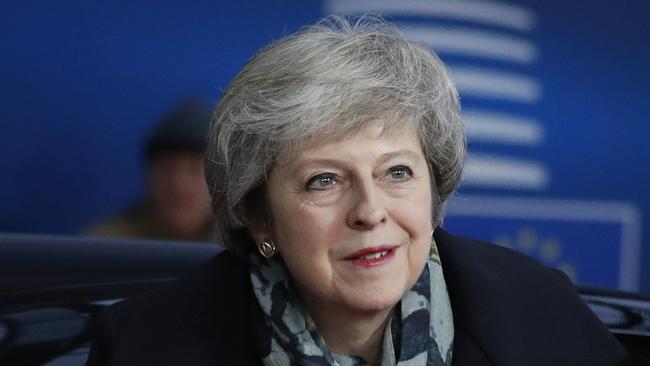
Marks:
<point>508,311</point>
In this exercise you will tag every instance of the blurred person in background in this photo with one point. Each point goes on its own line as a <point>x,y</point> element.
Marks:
<point>177,203</point>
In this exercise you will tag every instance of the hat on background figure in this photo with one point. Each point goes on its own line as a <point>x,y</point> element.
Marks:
<point>184,129</point>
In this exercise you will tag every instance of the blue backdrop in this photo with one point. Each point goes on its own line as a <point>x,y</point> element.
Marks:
<point>555,96</point>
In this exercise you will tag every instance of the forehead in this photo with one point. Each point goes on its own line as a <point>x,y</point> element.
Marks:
<point>386,131</point>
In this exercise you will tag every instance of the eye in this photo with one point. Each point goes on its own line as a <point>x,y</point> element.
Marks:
<point>322,181</point>
<point>400,173</point>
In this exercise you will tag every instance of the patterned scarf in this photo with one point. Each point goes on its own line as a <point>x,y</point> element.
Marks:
<point>421,331</point>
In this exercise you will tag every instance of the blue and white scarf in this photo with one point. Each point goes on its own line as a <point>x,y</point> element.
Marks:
<point>422,334</point>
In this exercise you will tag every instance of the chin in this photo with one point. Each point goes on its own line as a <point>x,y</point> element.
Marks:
<point>375,299</point>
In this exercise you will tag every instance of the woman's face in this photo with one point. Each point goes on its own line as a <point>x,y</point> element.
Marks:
<point>352,219</point>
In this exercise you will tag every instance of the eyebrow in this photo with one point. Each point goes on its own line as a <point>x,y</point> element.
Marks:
<point>399,153</point>
<point>409,154</point>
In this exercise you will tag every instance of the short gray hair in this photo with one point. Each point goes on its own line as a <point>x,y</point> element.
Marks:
<point>327,81</point>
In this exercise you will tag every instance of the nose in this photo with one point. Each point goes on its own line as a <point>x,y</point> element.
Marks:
<point>367,211</point>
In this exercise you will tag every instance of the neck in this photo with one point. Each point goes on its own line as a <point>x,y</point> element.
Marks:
<point>352,333</point>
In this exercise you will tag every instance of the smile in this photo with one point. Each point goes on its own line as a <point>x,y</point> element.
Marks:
<point>374,255</point>
<point>371,257</point>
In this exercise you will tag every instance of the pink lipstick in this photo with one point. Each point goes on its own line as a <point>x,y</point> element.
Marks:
<point>373,256</point>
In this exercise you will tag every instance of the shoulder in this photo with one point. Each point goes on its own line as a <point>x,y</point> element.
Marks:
<point>477,272</point>
<point>519,311</point>
<point>131,223</point>
<point>219,284</point>
<point>497,277</point>
<point>473,259</point>
<point>196,320</point>
<point>115,226</point>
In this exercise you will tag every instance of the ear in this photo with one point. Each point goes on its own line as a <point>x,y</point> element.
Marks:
<point>254,210</point>
<point>260,231</point>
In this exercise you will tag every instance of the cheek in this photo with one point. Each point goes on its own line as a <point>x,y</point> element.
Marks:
<point>417,211</point>
<point>302,230</point>
<point>305,239</point>
<point>417,220</point>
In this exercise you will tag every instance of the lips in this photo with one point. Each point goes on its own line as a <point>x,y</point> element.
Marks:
<point>372,256</point>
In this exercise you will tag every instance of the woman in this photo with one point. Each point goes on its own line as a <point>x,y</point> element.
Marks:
<point>331,156</point>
